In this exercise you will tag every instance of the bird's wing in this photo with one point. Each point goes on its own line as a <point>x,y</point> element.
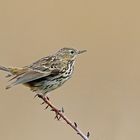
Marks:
<point>43,64</point>
<point>35,71</point>
<point>30,76</point>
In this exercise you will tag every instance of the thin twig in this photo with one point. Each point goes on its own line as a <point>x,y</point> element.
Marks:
<point>60,114</point>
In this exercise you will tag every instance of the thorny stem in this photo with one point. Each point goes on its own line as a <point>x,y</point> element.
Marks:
<point>60,114</point>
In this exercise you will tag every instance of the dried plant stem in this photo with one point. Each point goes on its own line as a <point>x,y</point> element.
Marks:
<point>60,114</point>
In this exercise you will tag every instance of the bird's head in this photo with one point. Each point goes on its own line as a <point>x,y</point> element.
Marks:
<point>69,53</point>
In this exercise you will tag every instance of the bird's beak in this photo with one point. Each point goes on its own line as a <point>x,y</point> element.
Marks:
<point>79,52</point>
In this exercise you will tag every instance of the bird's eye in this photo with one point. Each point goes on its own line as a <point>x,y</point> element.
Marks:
<point>72,52</point>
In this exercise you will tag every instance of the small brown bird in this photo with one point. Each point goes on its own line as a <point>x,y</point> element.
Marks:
<point>46,74</point>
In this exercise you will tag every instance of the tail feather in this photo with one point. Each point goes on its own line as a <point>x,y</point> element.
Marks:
<point>9,74</point>
<point>15,72</point>
<point>9,86</point>
<point>4,69</point>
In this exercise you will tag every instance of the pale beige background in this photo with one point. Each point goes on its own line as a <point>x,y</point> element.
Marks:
<point>103,96</point>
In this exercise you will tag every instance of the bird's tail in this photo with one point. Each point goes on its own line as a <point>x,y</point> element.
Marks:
<point>5,69</point>
<point>12,72</point>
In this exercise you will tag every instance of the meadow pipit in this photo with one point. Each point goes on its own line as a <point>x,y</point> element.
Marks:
<point>46,74</point>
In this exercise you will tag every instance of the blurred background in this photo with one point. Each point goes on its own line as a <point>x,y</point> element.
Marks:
<point>103,96</point>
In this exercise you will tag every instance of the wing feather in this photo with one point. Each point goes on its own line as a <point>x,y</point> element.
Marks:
<point>37,70</point>
<point>27,77</point>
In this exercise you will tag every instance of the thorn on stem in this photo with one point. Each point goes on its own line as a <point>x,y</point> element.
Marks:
<point>75,124</point>
<point>52,109</point>
<point>56,110</point>
<point>35,95</point>
<point>78,133</point>
<point>40,96</point>
<point>46,107</point>
<point>62,110</point>
<point>88,134</point>
<point>57,116</point>
<point>42,103</point>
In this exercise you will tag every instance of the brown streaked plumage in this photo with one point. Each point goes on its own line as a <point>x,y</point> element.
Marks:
<point>46,74</point>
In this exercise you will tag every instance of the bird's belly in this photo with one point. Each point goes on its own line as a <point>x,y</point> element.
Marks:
<point>53,84</point>
<point>46,85</point>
